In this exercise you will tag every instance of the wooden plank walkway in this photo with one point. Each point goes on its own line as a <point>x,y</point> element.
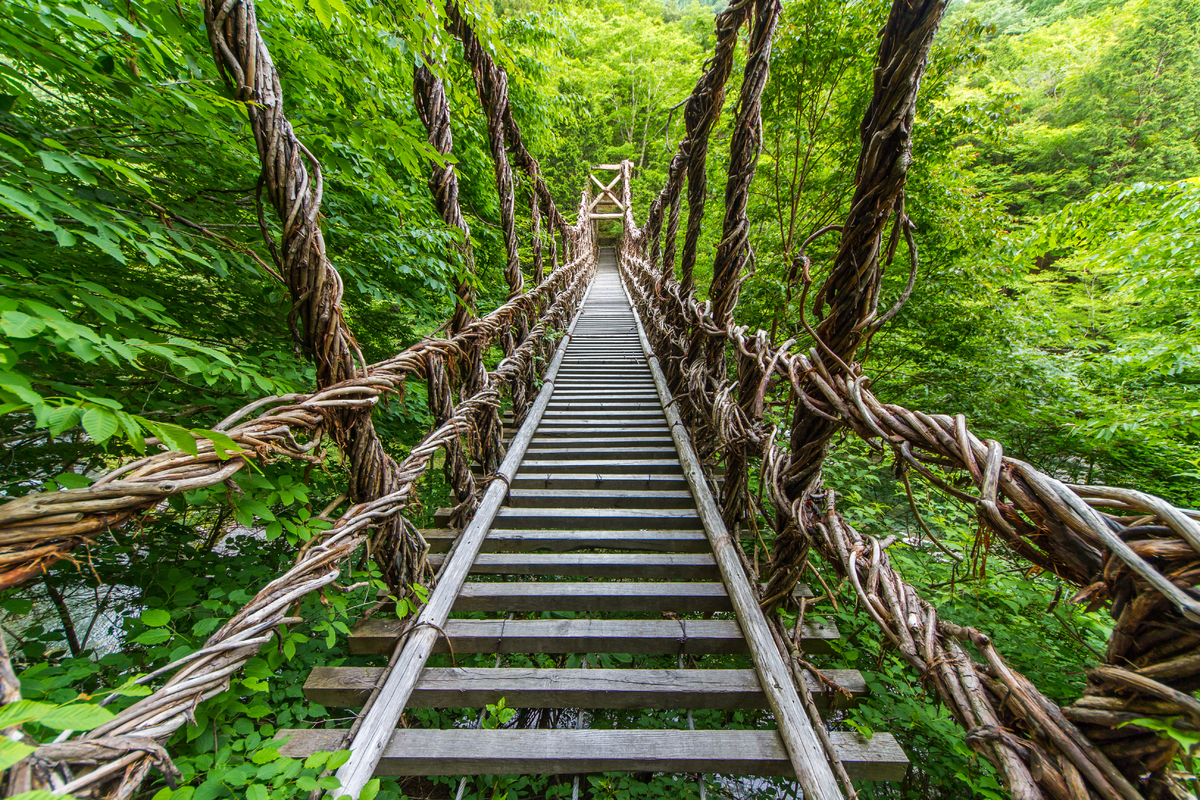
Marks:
<point>600,473</point>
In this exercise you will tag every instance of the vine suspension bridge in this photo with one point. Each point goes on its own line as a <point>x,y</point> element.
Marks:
<point>616,487</point>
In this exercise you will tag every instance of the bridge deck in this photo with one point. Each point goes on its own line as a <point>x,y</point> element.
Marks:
<point>600,549</point>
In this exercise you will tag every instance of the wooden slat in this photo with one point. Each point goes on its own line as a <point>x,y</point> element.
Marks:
<point>569,752</point>
<point>594,417</point>
<point>602,404</point>
<point>585,437</point>
<point>568,437</point>
<point>600,498</point>
<point>584,481</point>
<point>694,636</point>
<point>597,453</point>
<point>661,466</point>
<point>527,541</point>
<point>598,518</point>
<point>601,437</point>
<point>637,566</point>
<point>612,598</point>
<point>457,687</point>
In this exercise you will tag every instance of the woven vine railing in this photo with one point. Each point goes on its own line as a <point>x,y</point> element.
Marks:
<point>464,399</point>
<point>1135,552</point>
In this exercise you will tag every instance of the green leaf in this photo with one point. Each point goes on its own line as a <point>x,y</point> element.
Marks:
<point>22,711</point>
<point>155,617</point>
<point>36,794</point>
<point>100,423</point>
<point>76,717</point>
<point>258,712</point>
<point>224,446</point>
<point>256,791</point>
<point>174,437</point>
<point>131,689</point>
<point>370,790</point>
<point>64,417</point>
<point>324,12</point>
<point>72,480</point>
<point>154,636</point>
<point>10,753</point>
<point>206,626</point>
<point>265,755</point>
<point>133,431</point>
<point>19,325</point>
<point>316,760</point>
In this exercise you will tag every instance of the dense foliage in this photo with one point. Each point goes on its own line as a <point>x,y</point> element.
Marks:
<point>1056,201</point>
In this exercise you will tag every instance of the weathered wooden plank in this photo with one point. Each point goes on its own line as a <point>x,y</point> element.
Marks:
<point>526,541</point>
<point>580,437</point>
<point>583,481</point>
<point>602,414</point>
<point>458,687</point>
<point>602,429</point>
<point>601,498</point>
<point>659,541</point>
<point>601,432</point>
<point>659,466</point>
<point>693,636</point>
<point>660,566</point>
<point>574,500</point>
<point>592,454</point>
<point>637,519</point>
<point>639,566</point>
<point>414,751</point>
<point>611,598</point>
<point>603,403</point>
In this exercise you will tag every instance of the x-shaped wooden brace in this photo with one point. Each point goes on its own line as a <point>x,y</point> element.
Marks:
<point>606,192</point>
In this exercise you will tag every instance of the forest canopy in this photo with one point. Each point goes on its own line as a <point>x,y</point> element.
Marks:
<point>1054,197</point>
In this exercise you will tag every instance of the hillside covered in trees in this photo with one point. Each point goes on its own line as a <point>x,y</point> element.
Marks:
<point>1054,199</point>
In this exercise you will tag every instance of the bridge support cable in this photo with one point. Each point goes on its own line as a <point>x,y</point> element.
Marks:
<point>429,96</point>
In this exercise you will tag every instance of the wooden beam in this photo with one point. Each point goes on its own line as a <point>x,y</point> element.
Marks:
<point>457,687</point>
<point>414,751</point>
<point>582,519</point>
<point>656,636</point>
<point>528,541</point>
<point>593,498</point>
<point>617,597</point>
<point>637,566</point>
